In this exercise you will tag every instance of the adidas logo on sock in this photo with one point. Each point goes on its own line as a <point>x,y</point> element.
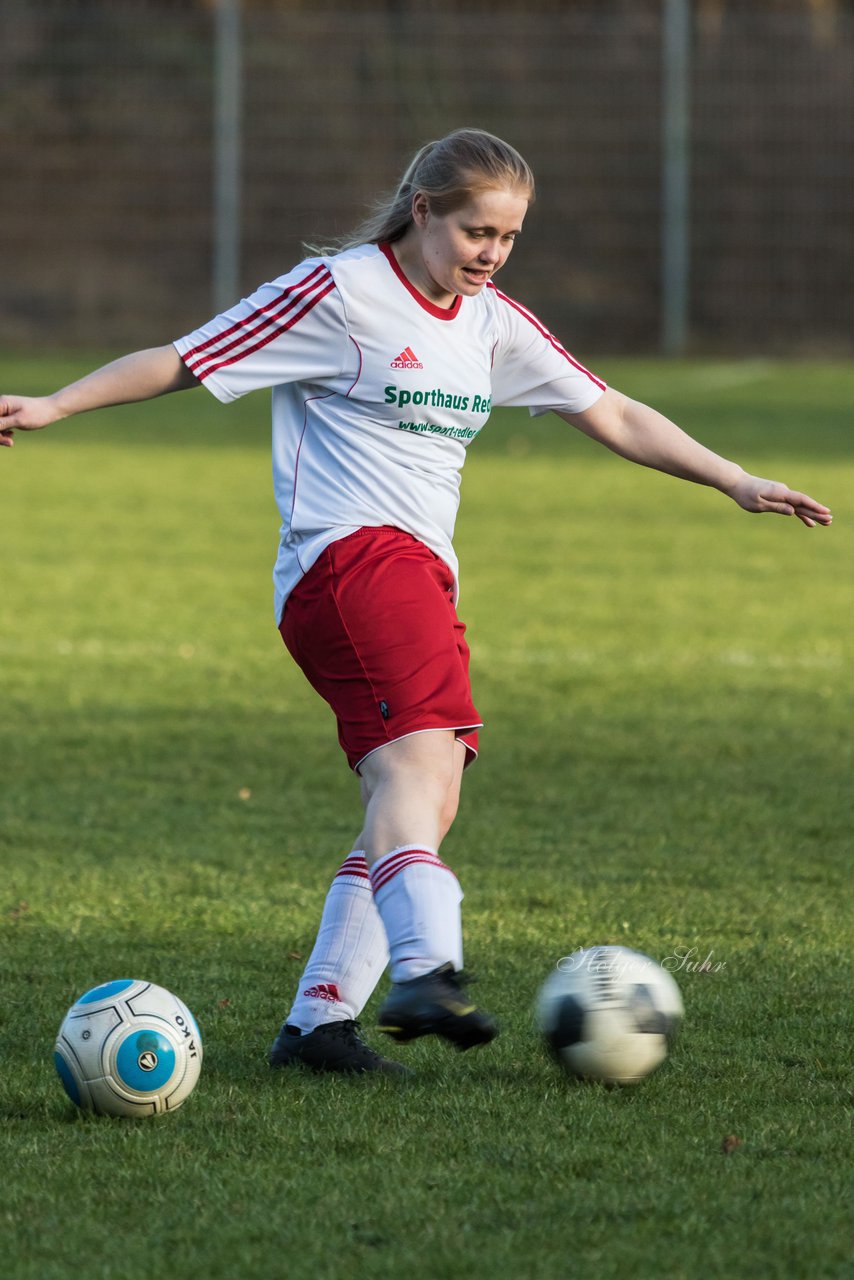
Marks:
<point>323,991</point>
<point>406,360</point>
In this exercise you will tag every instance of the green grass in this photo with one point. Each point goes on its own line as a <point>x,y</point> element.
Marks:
<point>667,764</point>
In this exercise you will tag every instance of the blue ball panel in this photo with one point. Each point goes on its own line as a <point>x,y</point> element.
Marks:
<point>145,1061</point>
<point>106,990</point>
<point>69,1084</point>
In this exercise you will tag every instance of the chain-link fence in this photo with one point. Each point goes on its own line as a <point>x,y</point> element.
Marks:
<point>107,157</point>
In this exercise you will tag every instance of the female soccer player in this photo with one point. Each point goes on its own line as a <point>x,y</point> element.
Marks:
<point>385,358</point>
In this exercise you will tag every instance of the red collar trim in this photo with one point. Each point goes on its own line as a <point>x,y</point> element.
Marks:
<point>440,313</point>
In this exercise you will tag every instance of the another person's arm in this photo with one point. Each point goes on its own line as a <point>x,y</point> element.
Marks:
<point>643,435</point>
<point>139,376</point>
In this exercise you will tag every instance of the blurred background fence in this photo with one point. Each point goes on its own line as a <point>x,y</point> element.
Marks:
<point>696,184</point>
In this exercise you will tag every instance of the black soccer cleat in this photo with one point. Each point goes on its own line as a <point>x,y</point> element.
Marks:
<point>435,1004</point>
<point>333,1046</point>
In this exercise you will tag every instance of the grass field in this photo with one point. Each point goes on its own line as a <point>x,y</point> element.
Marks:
<point>667,764</point>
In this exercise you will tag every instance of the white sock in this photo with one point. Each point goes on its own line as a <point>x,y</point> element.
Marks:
<point>349,955</point>
<point>419,900</point>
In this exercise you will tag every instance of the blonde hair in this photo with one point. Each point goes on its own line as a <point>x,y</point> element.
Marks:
<point>449,172</point>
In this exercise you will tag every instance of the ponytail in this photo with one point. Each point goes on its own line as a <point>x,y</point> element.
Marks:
<point>449,172</point>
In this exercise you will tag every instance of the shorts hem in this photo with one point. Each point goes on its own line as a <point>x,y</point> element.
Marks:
<point>457,729</point>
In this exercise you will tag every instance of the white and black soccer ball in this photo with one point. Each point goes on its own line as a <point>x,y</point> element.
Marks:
<point>128,1048</point>
<point>609,1014</point>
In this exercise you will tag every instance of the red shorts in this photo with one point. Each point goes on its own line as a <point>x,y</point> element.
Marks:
<point>374,628</point>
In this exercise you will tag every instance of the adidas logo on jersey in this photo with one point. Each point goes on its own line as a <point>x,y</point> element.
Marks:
<point>323,991</point>
<point>406,360</point>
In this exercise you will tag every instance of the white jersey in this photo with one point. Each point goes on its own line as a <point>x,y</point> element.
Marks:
<point>377,393</point>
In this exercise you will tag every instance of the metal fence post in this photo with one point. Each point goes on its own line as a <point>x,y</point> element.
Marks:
<point>228,76</point>
<point>676,147</point>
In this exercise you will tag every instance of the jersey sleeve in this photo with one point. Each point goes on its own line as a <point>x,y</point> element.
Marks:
<point>531,368</point>
<point>291,330</point>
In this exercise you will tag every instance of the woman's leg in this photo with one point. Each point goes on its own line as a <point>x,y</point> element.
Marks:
<point>351,950</point>
<point>350,953</point>
<point>412,790</point>
<point>345,965</point>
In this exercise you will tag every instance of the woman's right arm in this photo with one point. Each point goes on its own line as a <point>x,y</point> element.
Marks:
<point>139,376</point>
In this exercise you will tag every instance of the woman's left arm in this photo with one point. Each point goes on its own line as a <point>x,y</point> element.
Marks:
<point>643,435</point>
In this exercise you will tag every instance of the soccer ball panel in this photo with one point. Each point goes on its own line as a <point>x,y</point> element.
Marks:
<point>98,994</point>
<point>71,1079</point>
<point>128,1048</point>
<point>108,1099</point>
<point>609,1014</point>
<point>144,1060</point>
<point>569,1022</point>
<point>616,1051</point>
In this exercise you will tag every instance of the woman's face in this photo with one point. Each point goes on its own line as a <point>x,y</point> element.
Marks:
<point>457,253</point>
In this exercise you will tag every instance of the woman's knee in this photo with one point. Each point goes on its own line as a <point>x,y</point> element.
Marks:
<point>426,761</point>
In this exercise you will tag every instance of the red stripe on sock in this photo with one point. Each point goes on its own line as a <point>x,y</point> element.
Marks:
<point>381,874</point>
<point>354,866</point>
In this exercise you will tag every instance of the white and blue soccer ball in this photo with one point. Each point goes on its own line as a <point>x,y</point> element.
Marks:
<point>609,1014</point>
<point>128,1048</point>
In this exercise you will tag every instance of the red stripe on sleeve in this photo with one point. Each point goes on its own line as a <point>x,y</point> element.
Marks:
<point>276,332</point>
<point>269,317</point>
<point>549,337</point>
<point>268,309</point>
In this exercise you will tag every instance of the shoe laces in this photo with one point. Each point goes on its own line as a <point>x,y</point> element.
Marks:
<point>346,1029</point>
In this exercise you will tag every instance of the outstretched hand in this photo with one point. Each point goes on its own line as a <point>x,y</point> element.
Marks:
<point>755,494</point>
<point>25,413</point>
